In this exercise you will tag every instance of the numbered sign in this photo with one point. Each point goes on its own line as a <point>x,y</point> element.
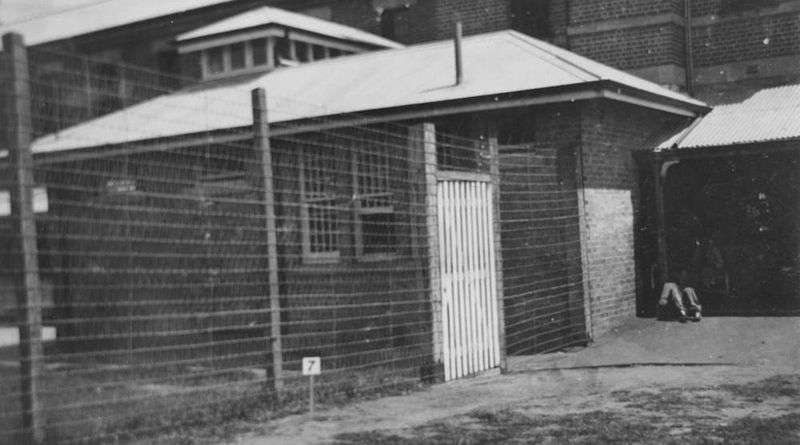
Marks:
<point>312,366</point>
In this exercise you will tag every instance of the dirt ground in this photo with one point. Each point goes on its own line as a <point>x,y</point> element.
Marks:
<point>722,380</point>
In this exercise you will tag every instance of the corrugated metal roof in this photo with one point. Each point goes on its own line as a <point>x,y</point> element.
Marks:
<point>100,16</point>
<point>771,114</point>
<point>273,16</point>
<point>494,64</point>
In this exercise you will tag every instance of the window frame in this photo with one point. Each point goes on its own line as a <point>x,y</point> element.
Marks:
<point>227,64</point>
<point>383,180</point>
<point>308,203</point>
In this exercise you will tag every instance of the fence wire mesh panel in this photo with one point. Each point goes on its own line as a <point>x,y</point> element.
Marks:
<point>542,275</point>
<point>183,276</point>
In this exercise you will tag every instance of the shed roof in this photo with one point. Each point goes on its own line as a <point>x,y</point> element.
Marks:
<point>498,67</point>
<point>99,16</point>
<point>769,115</point>
<point>266,16</point>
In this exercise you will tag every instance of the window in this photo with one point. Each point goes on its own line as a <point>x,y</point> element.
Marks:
<point>259,47</point>
<point>318,52</point>
<point>373,202</point>
<point>302,51</point>
<point>237,56</point>
<point>318,206</point>
<point>331,186</point>
<point>216,60</point>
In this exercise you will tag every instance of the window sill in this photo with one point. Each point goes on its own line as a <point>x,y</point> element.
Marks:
<point>377,257</point>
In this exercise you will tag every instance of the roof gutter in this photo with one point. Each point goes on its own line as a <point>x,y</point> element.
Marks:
<point>613,95</point>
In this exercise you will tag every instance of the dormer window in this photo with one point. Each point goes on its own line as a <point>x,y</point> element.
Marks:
<point>266,53</point>
<point>215,60</point>
<point>268,38</point>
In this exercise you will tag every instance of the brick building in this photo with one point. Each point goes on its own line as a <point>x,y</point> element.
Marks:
<point>731,47</point>
<point>567,191</point>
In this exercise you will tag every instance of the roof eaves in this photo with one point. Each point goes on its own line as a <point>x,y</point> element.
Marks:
<point>689,107</point>
<point>559,94</point>
<point>739,147</point>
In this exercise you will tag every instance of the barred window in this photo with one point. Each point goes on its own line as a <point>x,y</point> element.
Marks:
<point>318,207</point>
<point>375,232</point>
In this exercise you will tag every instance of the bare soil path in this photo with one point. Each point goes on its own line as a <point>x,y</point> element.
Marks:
<point>722,380</point>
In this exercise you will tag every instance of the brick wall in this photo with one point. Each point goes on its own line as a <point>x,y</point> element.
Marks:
<point>358,14</point>
<point>477,16</point>
<point>633,47</point>
<point>746,38</point>
<point>610,133</point>
<point>597,10</point>
<point>730,7</point>
<point>540,232</point>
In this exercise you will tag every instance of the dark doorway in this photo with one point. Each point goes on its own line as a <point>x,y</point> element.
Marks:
<point>732,222</point>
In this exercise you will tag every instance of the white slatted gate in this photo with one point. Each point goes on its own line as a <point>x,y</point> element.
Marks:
<point>468,279</point>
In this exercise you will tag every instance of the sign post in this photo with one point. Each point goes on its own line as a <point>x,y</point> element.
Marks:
<point>311,366</point>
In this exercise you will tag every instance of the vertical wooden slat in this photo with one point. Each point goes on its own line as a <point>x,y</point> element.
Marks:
<point>452,278</point>
<point>263,150</point>
<point>463,277</point>
<point>17,116</point>
<point>483,307</point>
<point>481,271</point>
<point>452,246</point>
<point>446,284</point>
<point>494,316</point>
<point>472,278</point>
<point>479,278</point>
<point>458,256</point>
<point>468,277</point>
<point>445,289</point>
<point>466,261</point>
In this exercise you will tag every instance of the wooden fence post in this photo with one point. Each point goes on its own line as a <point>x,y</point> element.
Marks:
<point>29,298</point>
<point>263,150</point>
<point>422,157</point>
<point>494,171</point>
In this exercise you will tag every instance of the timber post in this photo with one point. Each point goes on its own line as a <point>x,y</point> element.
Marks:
<point>261,144</point>
<point>494,172</point>
<point>19,131</point>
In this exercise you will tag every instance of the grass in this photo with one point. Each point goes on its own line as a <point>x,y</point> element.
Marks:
<point>686,416</point>
<point>181,405</point>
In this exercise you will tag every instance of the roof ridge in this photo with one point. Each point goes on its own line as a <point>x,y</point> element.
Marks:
<point>273,15</point>
<point>537,44</point>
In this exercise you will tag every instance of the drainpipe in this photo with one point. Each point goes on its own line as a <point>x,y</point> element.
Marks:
<point>688,66</point>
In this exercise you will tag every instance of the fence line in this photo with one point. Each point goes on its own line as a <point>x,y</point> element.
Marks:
<point>185,278</point>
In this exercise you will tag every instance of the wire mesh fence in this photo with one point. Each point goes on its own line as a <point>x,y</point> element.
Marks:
<point>182,279</point>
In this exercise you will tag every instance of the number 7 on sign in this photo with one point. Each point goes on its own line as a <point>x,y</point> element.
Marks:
<point>312,366</point>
